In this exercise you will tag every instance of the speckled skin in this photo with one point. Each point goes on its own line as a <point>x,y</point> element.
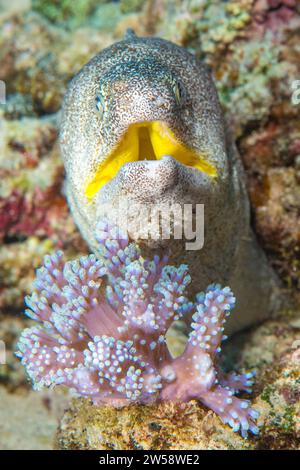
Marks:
<point>136,79</point>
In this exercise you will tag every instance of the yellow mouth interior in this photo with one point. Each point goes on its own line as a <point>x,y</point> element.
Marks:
<point>146,141</point>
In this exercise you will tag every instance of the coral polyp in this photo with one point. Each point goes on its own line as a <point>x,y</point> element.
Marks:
<point>102,332</point>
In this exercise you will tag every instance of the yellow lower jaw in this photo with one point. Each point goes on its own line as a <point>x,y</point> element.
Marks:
<point>146,141</point>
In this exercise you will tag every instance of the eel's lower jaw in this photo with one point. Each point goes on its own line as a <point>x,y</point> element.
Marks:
<point>139,192</point>
<point>153,182</point>
<point>149,179</point>
<point>144,192</point>
<point>149,141</point>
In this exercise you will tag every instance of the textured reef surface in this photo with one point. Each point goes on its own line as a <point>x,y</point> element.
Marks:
<point>252,47</point>
<point>107,341</point>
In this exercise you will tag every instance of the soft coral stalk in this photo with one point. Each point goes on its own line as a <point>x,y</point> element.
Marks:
<point>102,332</point>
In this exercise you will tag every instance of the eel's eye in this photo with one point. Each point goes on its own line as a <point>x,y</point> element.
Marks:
<point>99,105</point>
<point>179,92</point>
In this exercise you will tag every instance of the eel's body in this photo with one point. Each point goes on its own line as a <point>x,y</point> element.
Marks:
<point>133,103</point>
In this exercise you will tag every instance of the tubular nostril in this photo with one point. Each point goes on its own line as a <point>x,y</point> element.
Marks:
<point>161,102</point>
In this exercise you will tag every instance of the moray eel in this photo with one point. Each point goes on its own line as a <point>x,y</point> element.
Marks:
<point>141,122</point>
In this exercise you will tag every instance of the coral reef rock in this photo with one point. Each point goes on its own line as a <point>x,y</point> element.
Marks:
<point>28,421</point>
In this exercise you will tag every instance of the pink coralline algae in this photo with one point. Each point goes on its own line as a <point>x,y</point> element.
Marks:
<point>102,332</point>
<point>274,14</point>
<point>31,214</point>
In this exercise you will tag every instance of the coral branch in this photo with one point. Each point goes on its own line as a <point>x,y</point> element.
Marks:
<point>237,413</point>
<point>237,382</point>
<point>209,320</point>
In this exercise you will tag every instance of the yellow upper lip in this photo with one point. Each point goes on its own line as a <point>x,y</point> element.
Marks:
<point>146,141</point>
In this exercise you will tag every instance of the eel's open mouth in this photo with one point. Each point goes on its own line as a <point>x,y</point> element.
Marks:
<point>146,141</point>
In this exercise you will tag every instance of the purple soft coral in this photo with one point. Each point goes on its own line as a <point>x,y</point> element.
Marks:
<point>103,325</point>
